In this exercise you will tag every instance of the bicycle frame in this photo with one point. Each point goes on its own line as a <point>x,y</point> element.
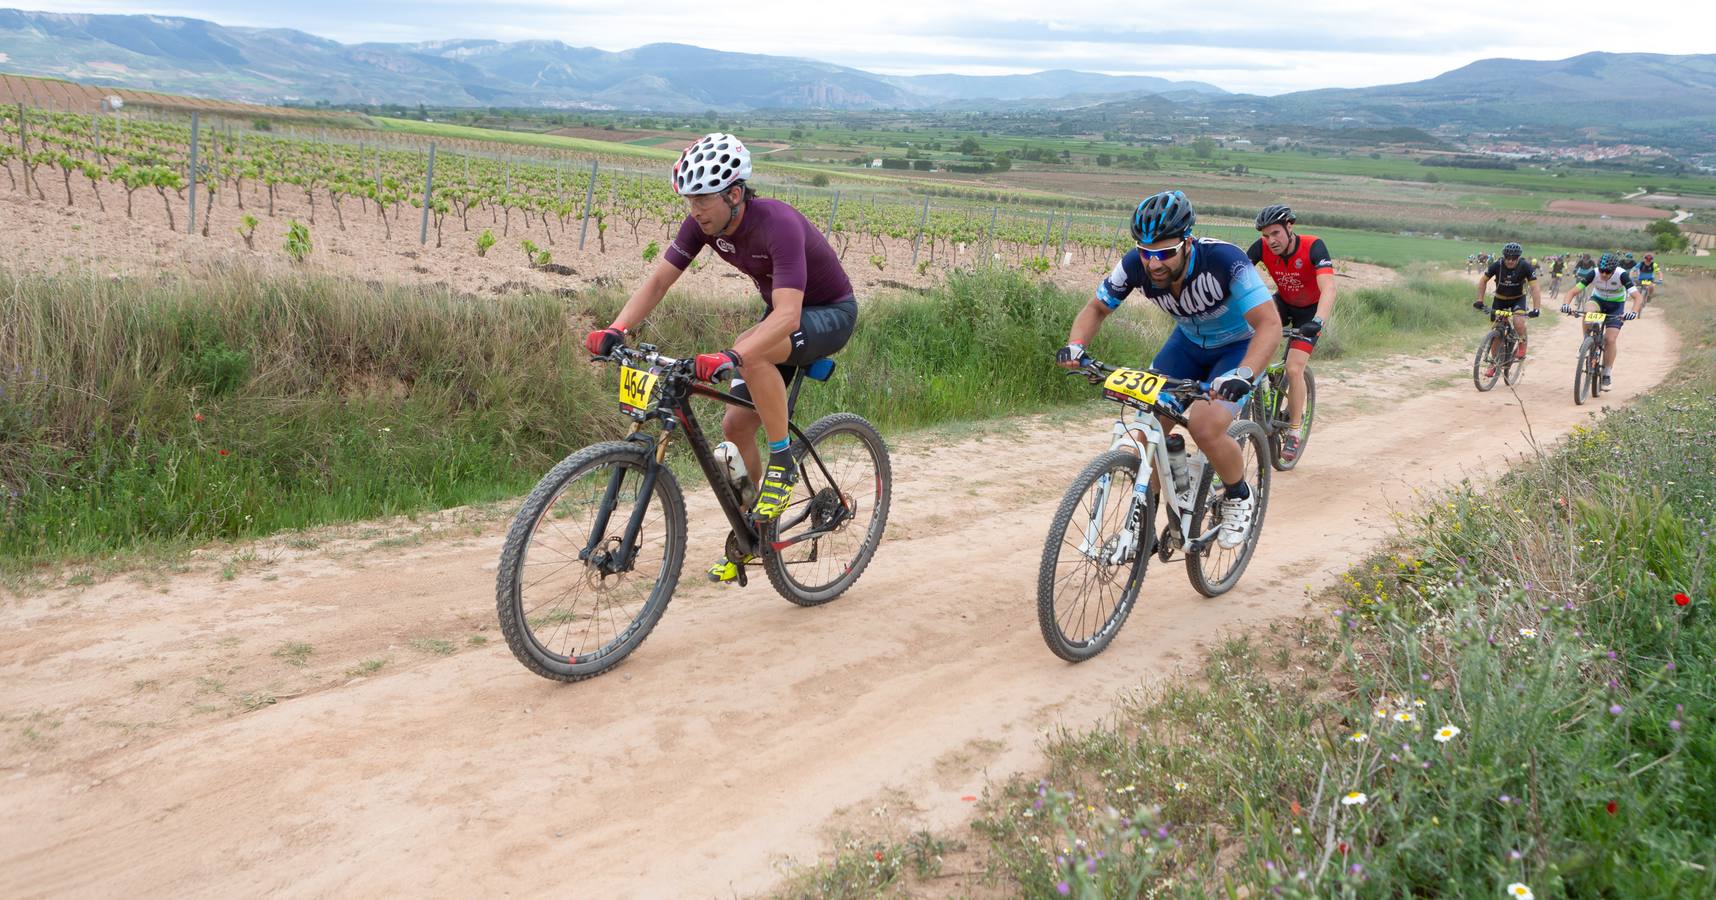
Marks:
<point>1146,440</point>
<point>673,410</point>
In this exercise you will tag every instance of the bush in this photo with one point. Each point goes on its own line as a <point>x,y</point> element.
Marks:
<point>484,242</point>
<point>297,241</point>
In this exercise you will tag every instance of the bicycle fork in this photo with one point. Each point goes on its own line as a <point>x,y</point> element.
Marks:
<point>620,558</point>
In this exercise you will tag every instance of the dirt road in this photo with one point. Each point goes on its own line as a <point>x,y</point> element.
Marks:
<point>190,735</point>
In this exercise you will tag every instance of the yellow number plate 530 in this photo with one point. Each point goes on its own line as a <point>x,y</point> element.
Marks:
<point>637,388</point>
<point>1595,317</point>
<point>1134,383</point>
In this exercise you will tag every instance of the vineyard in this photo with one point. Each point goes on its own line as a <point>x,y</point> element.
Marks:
<point>279,192</point>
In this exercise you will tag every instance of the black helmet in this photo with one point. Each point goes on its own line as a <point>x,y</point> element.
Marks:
<point>1165,215</point>
<point>1513,250</point>
<point>1274,215</point>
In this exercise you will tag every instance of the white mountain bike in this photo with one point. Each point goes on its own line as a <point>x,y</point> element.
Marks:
<point>1104,531</point>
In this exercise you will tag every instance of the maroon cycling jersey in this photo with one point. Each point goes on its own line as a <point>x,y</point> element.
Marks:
<point>1296,276</point>
<point>775,245</point>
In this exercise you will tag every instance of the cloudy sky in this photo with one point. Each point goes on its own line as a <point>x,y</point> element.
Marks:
<point>1254,46</point>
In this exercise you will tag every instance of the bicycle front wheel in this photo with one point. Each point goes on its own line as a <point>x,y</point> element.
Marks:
<point>1280,425</point>
<point>1094,558</point>
<point>1214,570</point>
<point>839,515</point>
<point>1582,385</point>
<point>570,601</point>
<point>1484,368</point>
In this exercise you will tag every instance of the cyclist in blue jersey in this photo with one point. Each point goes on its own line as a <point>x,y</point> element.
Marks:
<point>1227,330</point>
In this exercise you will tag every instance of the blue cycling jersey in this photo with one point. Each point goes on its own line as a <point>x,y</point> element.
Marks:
<point>1220,287</point>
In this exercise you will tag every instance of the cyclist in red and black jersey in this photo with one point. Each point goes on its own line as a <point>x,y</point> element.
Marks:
<point>1304,276</point>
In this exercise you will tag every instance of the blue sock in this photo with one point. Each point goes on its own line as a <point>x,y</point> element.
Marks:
<point>780,446</point>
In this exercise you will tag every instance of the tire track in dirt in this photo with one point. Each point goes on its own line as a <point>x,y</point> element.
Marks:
<point>730,739</point>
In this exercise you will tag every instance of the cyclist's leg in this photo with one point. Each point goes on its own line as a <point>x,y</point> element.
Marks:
<point>1611,333</point>
<point>1208,419</point>
<point>1298,355</point>
<point>823,330</point>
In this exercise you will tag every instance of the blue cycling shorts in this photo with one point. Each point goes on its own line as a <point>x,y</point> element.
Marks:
<point>1181,358</point>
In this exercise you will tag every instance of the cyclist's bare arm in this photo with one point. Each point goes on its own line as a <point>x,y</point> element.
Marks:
<point>1326,292</point>
<point>1089,320</point>
<point>1483,283</point>
<point>648,294</point>
<point>1266,321</point>
<point>775,328</point>
<point>1536,295</point>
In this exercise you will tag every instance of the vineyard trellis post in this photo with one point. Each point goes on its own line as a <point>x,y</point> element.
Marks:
<point>1048,231</point>
<point>1066,226</point>
<point>922,218</point>
<point>832,212</point>
<point>191,176</point>
<point>589,197</point>
<point>989,239</point>
<point>428,196</point>
<point>1116,248</point>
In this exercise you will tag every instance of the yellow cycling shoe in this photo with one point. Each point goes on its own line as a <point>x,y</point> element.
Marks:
<point>726,570</point>
<point>775,493</point>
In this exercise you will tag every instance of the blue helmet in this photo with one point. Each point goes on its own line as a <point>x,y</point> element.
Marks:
<point>1607,261</point>
<point>1165,215</point>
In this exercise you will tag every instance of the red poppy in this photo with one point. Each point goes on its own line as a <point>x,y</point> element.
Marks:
<point>1343,848</point>
<point>198,417</point>
<point>1295,808</point>
<point>1611,807</point>
<point>223,453</point>
<point>1681,600</point>
<point>878,856</point>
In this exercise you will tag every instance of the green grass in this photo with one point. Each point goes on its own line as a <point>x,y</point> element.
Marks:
<point>525,138</point>
<point>1538,617</point>
<point>160,414</point>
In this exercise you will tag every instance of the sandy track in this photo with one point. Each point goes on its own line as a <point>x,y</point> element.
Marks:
<point>735,736</point>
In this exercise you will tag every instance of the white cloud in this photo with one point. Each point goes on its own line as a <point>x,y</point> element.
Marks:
<point>1263,47</point>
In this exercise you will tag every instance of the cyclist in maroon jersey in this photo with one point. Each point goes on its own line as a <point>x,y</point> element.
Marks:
<point>1304,276</point>
<point>808,306</point>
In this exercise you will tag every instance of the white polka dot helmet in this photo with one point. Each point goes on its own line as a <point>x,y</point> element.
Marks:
<point>711,165</point>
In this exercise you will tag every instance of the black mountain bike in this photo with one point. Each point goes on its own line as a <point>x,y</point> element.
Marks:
<point>595,553</point>
<point>1268,406</point>
<point>1495,357</point>
<point>1588,371</point>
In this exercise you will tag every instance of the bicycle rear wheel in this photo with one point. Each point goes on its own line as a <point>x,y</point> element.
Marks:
<point>1216,569</point>
<point>1094,558</point>
<point>1279,426</point>
<point>569,607</point>
<point>1485,361</point>
<point>846,514</point>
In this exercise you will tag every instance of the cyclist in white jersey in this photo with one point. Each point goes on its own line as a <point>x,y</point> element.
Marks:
<point>1609,285</point>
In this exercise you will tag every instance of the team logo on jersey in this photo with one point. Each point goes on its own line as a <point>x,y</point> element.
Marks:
<point>1298,264</point>
<point>1197,299</point>
<point>723,245</point>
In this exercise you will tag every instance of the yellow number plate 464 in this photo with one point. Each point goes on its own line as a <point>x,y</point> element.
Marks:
<point>1135,384</point>
<point>637,388</point>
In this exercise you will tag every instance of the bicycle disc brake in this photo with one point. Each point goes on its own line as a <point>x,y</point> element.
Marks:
<point>734,553</point>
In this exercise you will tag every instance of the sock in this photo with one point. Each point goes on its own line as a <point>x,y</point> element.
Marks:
<point>1606,372</point>
<point>1238,491</point>
<point>780,446</point>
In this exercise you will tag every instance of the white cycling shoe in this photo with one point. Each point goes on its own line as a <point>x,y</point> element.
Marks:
<point>1235,520</point>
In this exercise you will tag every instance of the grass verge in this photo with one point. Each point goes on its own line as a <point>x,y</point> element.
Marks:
<point>1514,700</point>
<point>154,414</point>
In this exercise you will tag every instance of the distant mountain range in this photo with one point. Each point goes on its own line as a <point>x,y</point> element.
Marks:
<point>276,65</point>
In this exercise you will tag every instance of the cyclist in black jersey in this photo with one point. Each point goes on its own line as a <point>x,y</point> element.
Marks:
<point>1512,274</point>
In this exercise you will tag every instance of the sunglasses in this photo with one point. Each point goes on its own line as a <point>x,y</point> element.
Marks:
<point>1609,269</point>
<point>1164,254</point>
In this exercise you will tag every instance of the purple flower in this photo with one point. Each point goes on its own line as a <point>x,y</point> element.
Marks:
<point>1614,685</point>
<point>1060,860</point>
<point>1669,667</point>
<point>1615,710</point>
<point>1394,757</point>
<point>1514,854</point>
<point>1356,868</point>
<point>1611,654</point>
<point>1063,889</point>
<point>1269,864</point>
<point>1090,866</point>
<point>1424,677</point>
<point>1679,709</point>
<point>1162,832</point>
<point>1673,724</point>
<point>1505,799</point>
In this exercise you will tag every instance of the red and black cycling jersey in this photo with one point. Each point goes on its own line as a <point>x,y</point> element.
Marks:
<point>1296,275</point>
<point>1510,283</point>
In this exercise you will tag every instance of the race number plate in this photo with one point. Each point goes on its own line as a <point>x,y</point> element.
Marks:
<point>1135,384</point>
<point>1504,313</point>
<point>1595,317</point>
<point>637,388</point>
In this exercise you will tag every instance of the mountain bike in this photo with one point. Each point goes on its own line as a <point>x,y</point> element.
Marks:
<point>1103,533</point>
<point>1588,370</point>
<point>1554,286</point>
<point>1268,406</point>
<point>1495,357</point>
<point>594,554</point>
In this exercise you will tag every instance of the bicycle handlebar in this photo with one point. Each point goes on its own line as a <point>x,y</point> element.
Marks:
<point>1095,371</point>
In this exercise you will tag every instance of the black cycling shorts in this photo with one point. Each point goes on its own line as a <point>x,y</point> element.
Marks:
<point>1614,309</point>
<point>1297,317</point>
<point>1516,303</point>
<point>822,331</point>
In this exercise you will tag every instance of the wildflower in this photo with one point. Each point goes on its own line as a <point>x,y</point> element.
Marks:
<point>1611,654</point>
<point>1528,632</point>
<point>1417,702</point>
<point>223,453</point>
<point>1403,716</point>
<point>878,856</point>
<point>1504,799</point>
<point>1343,848</point>
<point>1611,807</point>
<point>1673,724</point>
<point>1520,892</point>
<point>1380,713</point>
<point>1358,737</point>
<point>1616,709</point>
<point>1681,599</point>
<point>1298,830</point>
<point>1447,733</point>
<point>1180,785</point>
<point>1356,868</point>
<point>1064,889</point>
<point>199,417</point>
<point>1354,798</point>
<point>1515,855</point>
